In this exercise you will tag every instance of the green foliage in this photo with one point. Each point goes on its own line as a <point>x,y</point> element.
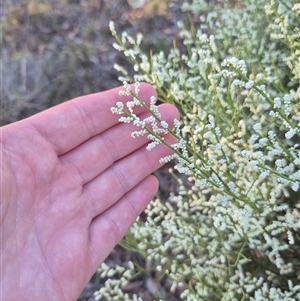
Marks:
<point>233,231</point>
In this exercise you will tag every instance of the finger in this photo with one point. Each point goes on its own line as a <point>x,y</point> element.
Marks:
<point>68,125</point>
<point>107,229</point>
<point>122,176</point>
<point>86,161</point>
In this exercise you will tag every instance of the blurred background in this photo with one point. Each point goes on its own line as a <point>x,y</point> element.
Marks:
<point>55,50</point>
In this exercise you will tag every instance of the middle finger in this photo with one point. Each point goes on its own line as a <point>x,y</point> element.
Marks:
<point>91,158</point>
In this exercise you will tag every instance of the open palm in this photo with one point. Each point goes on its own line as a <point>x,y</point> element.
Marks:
<point>72,183</point>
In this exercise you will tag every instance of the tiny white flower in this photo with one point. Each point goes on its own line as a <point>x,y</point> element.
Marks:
<point>249,84</point>
<point>290,134</point>
<point>112,27</point>
<point>295,186</point>
<point>164,124</point>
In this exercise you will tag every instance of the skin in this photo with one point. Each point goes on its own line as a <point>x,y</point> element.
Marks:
<point>73,181</point>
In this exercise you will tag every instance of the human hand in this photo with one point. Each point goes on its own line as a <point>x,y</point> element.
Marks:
<point>73,181</point>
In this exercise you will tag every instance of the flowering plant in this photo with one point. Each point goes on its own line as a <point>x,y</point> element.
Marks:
<point>233,230</point>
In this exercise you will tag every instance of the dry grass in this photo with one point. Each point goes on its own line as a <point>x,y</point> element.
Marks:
<point>55,50</point>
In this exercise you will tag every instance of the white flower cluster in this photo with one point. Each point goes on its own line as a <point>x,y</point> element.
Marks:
<point>152,126</point>
<point>116,278</point>
<point>232,232</point>
<point>286,16</point>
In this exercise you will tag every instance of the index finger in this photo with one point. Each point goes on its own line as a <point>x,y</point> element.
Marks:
<point>69,124</point>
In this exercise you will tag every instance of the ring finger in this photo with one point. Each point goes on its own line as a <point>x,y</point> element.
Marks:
<point>110,186</point>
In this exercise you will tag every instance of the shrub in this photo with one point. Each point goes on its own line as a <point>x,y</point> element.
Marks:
<point>233,230</point>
